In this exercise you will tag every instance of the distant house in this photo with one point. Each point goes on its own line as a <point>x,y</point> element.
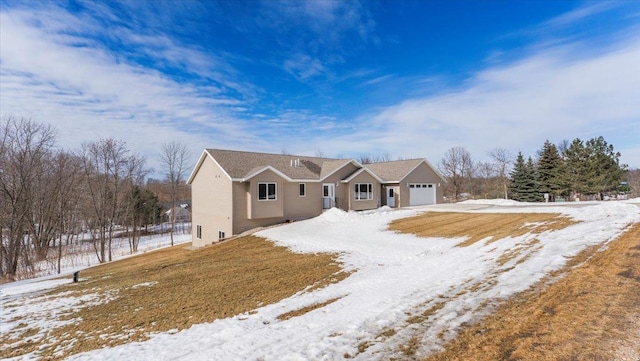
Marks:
<point>180,212</point>
<point>234,191</point>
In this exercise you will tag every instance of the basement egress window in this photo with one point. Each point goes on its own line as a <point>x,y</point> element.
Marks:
<point>266,191</point>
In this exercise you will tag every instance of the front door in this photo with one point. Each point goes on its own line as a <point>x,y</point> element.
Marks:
<point>391,197</point>
<point>328,195</point>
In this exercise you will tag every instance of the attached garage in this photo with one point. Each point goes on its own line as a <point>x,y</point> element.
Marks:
<point>421,194</point>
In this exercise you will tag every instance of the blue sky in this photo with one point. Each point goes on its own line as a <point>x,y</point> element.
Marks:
<point>338,78</point>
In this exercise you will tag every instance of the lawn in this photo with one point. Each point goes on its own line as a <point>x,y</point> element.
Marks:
<point>379,285</point>
<point>171,290</point>
<point>591,314</point>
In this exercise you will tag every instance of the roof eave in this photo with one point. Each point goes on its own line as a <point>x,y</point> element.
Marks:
<point>351,161</point>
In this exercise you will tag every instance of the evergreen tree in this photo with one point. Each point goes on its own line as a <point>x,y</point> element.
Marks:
<point>524,185</point>
<point>532,189</point>
<point>577,168</point>
<point>518,178</point>
<point>593,167</point>
<point>551,171</point>
<point>605,171</point>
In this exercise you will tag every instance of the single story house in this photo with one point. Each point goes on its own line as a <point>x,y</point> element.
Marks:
<point>235,191</point>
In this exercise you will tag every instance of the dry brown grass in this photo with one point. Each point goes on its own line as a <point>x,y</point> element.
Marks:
<point>478,226</point>
<point>591,314</point>
<point>516,252</point>
<point>189,287</point>
<point>303,310</point>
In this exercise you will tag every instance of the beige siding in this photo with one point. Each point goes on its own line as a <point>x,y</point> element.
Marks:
<point>422,174</point>
<point>211,204</point>
<point>296,207</point>
<point>342,191</point>
<point>385,191</point>
<point>265,208</point>
<point>360,205</point>
<point>250,213</point>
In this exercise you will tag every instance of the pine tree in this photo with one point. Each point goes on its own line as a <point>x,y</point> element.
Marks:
<point>532,189</point>
<point>551,171</point>
<point>524,184</point>
<point>605,171</point>
<point>577,168</point>
<point>518,176</point>
<point>593,167</point>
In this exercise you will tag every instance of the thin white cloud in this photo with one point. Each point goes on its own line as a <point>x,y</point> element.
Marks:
<point>317,32</point>
<point>579,14</point>
<point>378,79</point>
<point>303,66</point>
<point>556,94</point>
<point>52,71</point>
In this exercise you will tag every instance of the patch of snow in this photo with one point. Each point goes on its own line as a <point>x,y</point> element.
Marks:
<point>494,202</point>
<point>396,276</point>
<point>30,286</point>
<point>144,284</point>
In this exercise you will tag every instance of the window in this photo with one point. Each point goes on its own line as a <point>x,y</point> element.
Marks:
<point>199,231</point>
<point>266,191</point>
<point>303,189</point>
<point>364,191</point>
<point>220,235</point>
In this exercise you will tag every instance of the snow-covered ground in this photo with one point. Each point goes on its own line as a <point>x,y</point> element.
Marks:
<point>77,258</point>
<point>82,254</point>
<point>396,276</point>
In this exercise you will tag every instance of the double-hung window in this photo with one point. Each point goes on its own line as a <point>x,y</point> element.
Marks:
<point>266,191</point>
<point>302,189</point>
<point>364,191</point>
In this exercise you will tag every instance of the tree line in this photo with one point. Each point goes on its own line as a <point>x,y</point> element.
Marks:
<point>569,171</point>
<point>50,196</point>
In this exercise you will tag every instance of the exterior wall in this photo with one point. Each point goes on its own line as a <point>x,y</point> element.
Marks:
<point>385,191</point>
<point>294,207</point>
<point>265,208</point>
<point>360,205</point>
<point>211,204</point>
<point>422,174</point>
<point>342,191</point>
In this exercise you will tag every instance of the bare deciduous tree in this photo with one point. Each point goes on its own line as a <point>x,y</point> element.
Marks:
<point>24,148</point>
<point>67,177</point>
<point>503,159</point>
<point>457,168</point>
<point>106,166</point>
<point>174,158</point>
<point>368,158</point>
<point>485,181</point>
<point>633,179</point>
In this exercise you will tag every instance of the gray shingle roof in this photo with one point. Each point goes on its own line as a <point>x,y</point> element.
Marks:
<point>393,171</point>
<point>240,164</point>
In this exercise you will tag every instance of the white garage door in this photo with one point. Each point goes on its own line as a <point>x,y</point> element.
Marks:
<point>421,194</point>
